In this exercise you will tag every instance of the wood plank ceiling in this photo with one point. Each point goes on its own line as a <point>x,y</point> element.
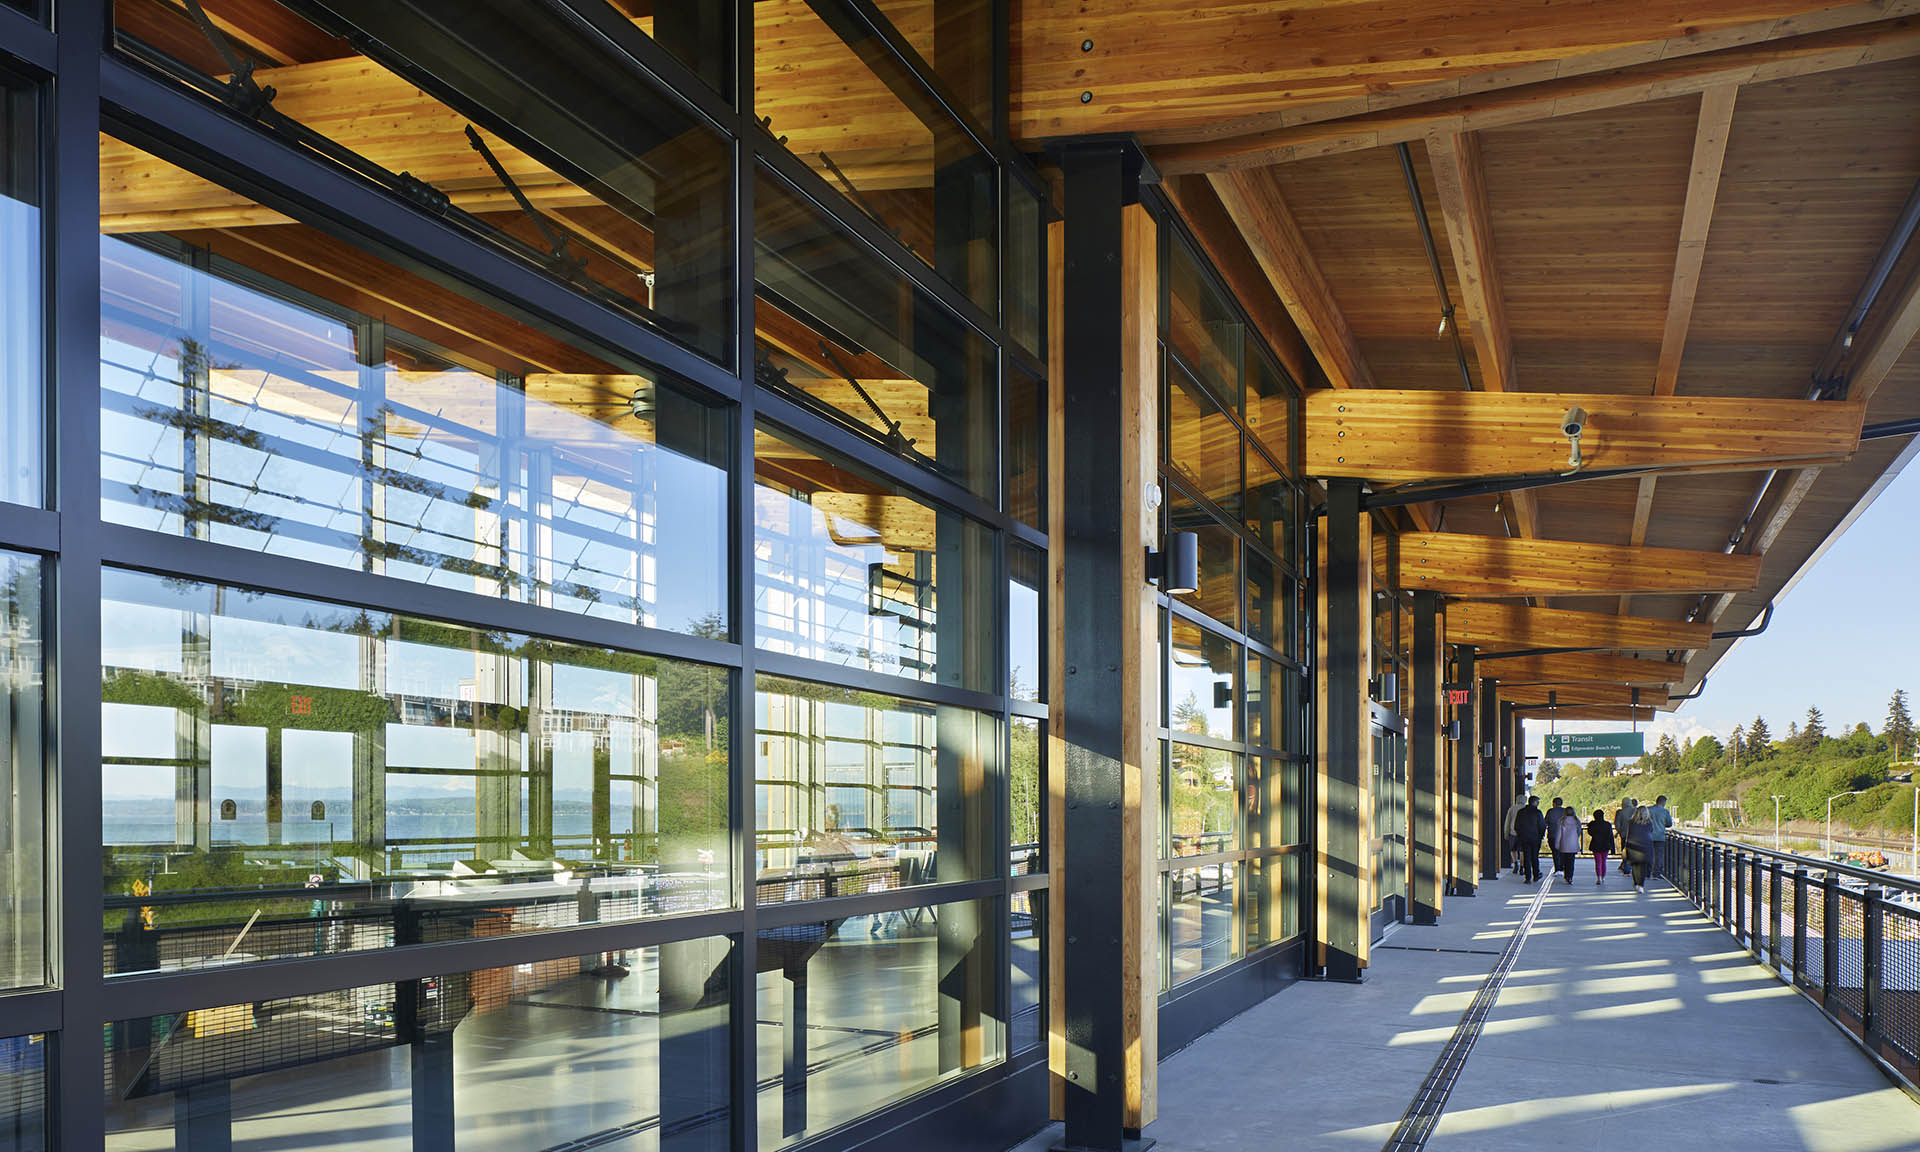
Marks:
<point>1626,200</point>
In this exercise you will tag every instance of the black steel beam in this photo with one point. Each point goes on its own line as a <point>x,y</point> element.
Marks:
<point>1426,851</point>
<point>1347,571</point>
<point>1466,780</point>
<point>1486,753</point>
<point>1097,606</point>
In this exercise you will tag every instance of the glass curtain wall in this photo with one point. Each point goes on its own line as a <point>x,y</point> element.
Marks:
<point>564,496</point>
<point>1233,829</point>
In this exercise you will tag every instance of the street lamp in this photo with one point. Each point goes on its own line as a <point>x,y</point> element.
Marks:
<point>1830,801</point>
<point>1776,822</point>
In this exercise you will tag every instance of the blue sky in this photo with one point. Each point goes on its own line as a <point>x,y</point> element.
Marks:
<point>1842,639</point>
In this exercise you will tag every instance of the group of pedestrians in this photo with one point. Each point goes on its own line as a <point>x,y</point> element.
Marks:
<point>1641,828</point>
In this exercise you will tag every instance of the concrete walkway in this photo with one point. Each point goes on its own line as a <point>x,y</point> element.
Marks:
<point>1628,1022</point>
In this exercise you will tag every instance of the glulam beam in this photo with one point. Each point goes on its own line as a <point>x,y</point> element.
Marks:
<point>1582,667</point>
<point>1535,695</point>
<point>1501,627</point>
<point>1608,712</point>
<point>1460,564</point>
<point>1402,436</point>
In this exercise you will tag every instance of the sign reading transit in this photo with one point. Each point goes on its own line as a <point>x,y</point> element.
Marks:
<point>1590,745</point>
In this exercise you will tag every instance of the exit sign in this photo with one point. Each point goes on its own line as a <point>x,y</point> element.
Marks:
<point>1459,695</point>
<point>1589,745</point>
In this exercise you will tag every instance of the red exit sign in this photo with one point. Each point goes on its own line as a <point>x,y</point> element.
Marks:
<point>1459,695</point>
<point>301,706</point>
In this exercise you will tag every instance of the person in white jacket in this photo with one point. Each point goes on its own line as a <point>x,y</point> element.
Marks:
<point>1512,833</point>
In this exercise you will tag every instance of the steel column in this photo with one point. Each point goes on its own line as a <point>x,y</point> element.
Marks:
<point>1426,852</point>
<point>1493,811</point>
<point>1468,797</point>
<point>1346,624</point>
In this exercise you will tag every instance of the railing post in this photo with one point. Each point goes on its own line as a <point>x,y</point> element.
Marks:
<point>1800,927</point>
<point>1773,914</point>
<point>1738,891</point>
<point>1726,888</point>
<point>1872,954</point>
<point>1756,925</point>
<point>1829,936</point>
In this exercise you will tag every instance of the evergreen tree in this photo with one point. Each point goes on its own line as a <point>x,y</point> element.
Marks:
<point>1738,742</point>
<point>1899,730</point>
<point>1816,729</point>
<point>1759,740</point>
<point>1666,754</point>
<point>1547,773</point>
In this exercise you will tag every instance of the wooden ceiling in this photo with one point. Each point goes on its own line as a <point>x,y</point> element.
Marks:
<point>1626,200</point>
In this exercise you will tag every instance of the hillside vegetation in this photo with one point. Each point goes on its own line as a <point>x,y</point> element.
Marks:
<point>1804,768</point>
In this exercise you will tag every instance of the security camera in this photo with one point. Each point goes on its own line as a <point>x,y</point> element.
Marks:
<point>1574,423</point>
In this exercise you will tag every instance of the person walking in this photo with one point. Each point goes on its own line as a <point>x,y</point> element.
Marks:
<point>1512,834</point>
<point>1640,846</point>
<point>1620,818</point>
<point>1600,839</point>
<point>1662,820</point>
<point>1556,814</point>
<point>1566,842</point>
<point>1528,827</point>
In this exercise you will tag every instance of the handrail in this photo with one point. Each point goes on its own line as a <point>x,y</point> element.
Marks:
<point>1871,876</point>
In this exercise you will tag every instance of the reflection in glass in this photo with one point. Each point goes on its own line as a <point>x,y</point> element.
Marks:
<point>1202,784</point>
<point>247,400</point>
<point>957,46</point>
<point>1204,328</point>
<point>852,570</point>
<point>848,108</point>
<point>536,134</point>
<point>1203,445</point>
<point>1203,672</point>
<point>1272,899</point>
<point>1200,929</point>
<point>22,360</point>
<point>853,339</point>
<point>854,1014</point>
<point>1266,690</point>
<point>1271,411</point>
<point>23,1093</point>
<point>607,1050</point>
<point>23,879</point>
<point>1024,776</point>
<point>428,781</point>
<point>1268,511</point>
<point>1029,968</point>
<point>1026,589</point>
<point>1026,446</point>
<point>1269,602</point>
<point>861,792</point>
<point>1219,593</point>
<point>1026,256</point>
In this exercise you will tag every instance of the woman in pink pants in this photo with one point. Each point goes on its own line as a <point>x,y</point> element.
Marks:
<point>1600,839</point>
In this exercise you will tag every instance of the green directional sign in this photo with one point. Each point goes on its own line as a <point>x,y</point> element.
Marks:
<point>1592,745</point>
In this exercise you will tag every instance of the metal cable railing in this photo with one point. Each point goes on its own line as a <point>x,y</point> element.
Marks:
<point>1847,937</point>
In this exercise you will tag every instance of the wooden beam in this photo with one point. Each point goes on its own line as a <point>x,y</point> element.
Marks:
<point>1254,203</point>
<point>1582,667</point>
<point>1400,436</point>
<point>1658,79</point>
<point>1703,187</point>
<point>1457,174</point>
<point>1498,627</point>
<point>1574,694</point>
<point>1459,564</point>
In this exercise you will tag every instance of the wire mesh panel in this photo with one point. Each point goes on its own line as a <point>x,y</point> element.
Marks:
<point>1849,979</point>
<point>1816,915</point>
<point>1899,1019</point>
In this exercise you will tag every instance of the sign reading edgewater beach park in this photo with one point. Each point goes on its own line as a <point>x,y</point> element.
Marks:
<point>1588,745</point>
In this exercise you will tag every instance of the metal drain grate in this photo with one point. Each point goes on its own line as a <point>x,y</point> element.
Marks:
<point>1416,1127</point>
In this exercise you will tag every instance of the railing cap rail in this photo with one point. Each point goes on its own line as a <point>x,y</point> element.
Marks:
<point>1880,879</point>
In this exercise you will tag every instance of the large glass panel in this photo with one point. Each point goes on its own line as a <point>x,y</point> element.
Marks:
<point>1203,328</point>
<point>374,780</point>
<point>1026,620</point>
<point>23,1093</point>
<point>1202,786</point>
<point>843,333</point>
<point>1203,673</point>
<point>605,1051</point>
<point>1266,695</point>
<point>1268,511</point>
<point>1029,969</point>
<point>1271,410</point>
<point>1272,900</point>
<point>1026,255</point>
<point>850,569</point>
<point>854,1014</point>
<point>22,357</point>
<point>850,110</point>
<point>1026,447</point>
<point>860,792</point>
<point>1219,592</point>
<point>1269,602</point>
<point>23,764</point>
<point>1027,782</point>
<point>535,133</point>
<point>1200,935</point>
<point>276,389</point>
<point>1203,444</point>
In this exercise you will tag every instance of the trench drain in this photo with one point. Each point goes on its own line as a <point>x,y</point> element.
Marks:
<point>1423,1115</point>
